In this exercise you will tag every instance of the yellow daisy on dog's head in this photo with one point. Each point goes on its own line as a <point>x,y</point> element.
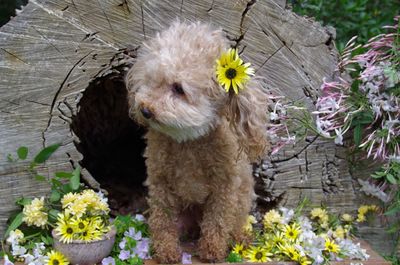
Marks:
<point>232,73</point>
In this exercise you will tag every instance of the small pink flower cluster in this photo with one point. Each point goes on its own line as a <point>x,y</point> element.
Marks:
<point>370,103</point>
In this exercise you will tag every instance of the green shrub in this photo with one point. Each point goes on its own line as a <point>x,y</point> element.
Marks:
<point>359,17</point>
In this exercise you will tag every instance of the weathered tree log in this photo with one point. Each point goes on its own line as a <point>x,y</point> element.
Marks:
<point>62,66</point>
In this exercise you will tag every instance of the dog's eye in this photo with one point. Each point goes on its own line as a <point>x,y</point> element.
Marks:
<point>177,88</point>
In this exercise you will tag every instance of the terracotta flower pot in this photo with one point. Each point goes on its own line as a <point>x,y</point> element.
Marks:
<point>86,253</point>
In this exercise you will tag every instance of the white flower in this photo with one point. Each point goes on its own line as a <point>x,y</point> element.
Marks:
<point>28,258</point>
<point>18,250</point>
<point>339,136</point>
<point>140,217</point>
<point>7,261</point>
<point>287,214</point>
<point>15,237</point>
<point>186,258</point>
<point>108,261</point>
<point>373,190</point>
<point>353,251</point>
<point>38,250</point>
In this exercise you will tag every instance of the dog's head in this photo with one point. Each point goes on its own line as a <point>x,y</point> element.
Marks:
<point>172,89</point>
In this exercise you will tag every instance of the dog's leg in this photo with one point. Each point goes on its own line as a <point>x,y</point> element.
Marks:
<point>217,224</point>
<point>163,225</point>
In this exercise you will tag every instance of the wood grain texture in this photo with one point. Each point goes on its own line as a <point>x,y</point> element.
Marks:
<point>53,49</point>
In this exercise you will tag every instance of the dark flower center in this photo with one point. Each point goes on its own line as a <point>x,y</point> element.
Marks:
<point>56,262</point>
<point>69,230</point>
<point>291,233</point>
<point>230,73</point>
<point>259,255</point>
<point>81,225</point>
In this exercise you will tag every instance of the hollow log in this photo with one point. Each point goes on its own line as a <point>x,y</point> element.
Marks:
<point>62,64</point>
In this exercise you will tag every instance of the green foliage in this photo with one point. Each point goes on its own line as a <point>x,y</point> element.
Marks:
<point>61,183</point>
<point>234,258</point>
<point>122,223</point>
<point>394,259</point>
<point>350,17</point>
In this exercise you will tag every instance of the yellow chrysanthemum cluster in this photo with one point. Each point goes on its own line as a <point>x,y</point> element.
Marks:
<point>272,219</point>
<point>321,216</point>
<point>84,217</point>
<point>34,214</point>
<point>363,210</point>
<point>248,227</point>
<point>87,202</point>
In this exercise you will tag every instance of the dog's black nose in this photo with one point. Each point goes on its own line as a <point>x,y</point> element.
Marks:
<point>146,113</point>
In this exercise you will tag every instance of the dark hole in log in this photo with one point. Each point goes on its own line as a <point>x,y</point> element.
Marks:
<point>111,143</point>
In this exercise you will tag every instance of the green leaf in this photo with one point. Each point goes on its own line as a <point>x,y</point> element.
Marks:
<point>75,179</point>
<point>56,183</point>
<point>10,158</point>
<point>16,222</point>
<point>393,210</point>
<point>391,179</point>
<point>46,239</point>
<point>66,188</point>
<point>22,152</point>
<point>55,196</point>
<point>357,134</point>
<point>23,201</point>
<point>63,175</point>
<point>53,215</point>
<point>40,178</point>
<point>45,153</point>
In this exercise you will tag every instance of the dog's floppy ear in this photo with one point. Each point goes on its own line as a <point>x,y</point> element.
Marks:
<point>248,117</point>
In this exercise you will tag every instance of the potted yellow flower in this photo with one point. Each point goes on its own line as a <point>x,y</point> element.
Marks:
<point>83,233</point>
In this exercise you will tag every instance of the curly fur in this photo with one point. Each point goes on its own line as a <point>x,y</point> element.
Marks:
<point>199,144</point>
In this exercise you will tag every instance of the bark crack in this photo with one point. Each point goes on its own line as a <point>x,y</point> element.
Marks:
<point>296,154</point>
<point>56,96</point>
<point>275,52</point>
<point>142,13</point>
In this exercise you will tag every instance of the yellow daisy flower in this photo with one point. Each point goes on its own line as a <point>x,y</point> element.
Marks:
<point>79,224</point>
<point>290,251</point>
<point>292,232</point>
<point>239,249</point>
<point>258,254</point>
<point>331,246</point>
<point>89,234</point>
<point>278,239</point>
<point>232,72</point>
<point>304,261</point>
<point>66,231</point>
<point>56,258</point>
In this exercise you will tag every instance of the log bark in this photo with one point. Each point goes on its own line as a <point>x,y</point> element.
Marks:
<point>62,64</point>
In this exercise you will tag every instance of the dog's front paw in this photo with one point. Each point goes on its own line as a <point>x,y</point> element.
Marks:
<point>168,253</point>
<point>212,249</point>
<point>168,256</point>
